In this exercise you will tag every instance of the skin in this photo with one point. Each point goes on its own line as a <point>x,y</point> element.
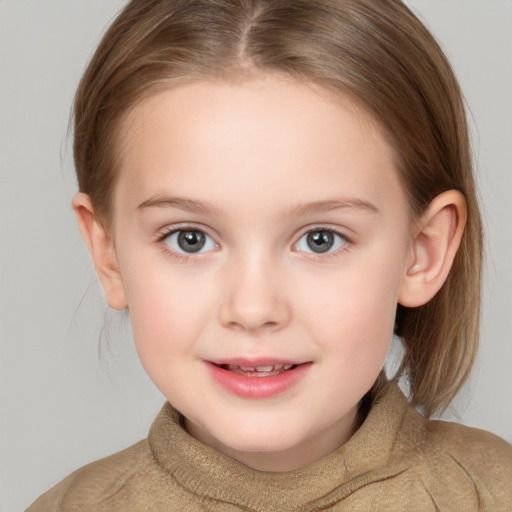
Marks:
<point>256,166</point>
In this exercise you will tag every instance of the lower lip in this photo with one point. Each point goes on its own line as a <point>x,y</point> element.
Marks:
<point>257,387</point>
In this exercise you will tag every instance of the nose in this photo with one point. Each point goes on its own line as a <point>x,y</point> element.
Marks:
<point>255,299</point>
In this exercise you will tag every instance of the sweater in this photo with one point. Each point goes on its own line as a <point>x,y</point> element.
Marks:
<point>396,461</point>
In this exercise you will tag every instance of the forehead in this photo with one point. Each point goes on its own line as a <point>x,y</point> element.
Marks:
<point>254,137</point>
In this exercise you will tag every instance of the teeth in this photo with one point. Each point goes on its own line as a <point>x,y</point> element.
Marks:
<point>265,369</point>
<point>258,368</point>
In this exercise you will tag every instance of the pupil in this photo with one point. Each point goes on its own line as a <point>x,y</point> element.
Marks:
<point>191,241</point>
<point>320,241</point>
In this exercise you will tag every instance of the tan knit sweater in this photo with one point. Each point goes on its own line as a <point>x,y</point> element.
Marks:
<point>397,461</point>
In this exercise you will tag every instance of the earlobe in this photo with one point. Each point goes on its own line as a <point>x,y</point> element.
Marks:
<point>102,250</point>
<point>434,247</point>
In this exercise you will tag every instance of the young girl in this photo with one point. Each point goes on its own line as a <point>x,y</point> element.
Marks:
<point>272,189</point>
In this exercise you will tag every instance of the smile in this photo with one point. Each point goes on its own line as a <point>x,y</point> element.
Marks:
<point>257,381</point>
<point>258,371</point>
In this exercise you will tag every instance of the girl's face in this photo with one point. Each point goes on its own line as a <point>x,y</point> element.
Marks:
<point>260,225</point>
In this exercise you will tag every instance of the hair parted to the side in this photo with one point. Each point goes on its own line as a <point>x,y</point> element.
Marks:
<point>375,51</point>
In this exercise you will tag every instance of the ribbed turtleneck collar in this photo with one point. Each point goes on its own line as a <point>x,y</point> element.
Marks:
<point>369,456</point>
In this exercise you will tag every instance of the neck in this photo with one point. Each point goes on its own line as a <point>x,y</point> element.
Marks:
<point>309,451</point>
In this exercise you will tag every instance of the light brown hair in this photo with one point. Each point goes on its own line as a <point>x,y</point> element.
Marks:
<point>377,52</point>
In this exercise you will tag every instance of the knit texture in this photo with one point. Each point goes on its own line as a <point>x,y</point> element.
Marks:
<point>396,461</point>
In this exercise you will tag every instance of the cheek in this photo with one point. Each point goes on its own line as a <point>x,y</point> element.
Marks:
<point>354,313</point>
<point>167,314</point>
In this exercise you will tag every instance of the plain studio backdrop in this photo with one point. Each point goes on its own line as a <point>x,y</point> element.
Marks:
<point>65,397</point>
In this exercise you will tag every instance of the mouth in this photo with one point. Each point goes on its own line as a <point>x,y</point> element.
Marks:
<point>257,379</point>
<point>258,371</point>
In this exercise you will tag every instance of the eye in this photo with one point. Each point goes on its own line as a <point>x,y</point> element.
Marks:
<point>189,241</point>
<point>320,241</point>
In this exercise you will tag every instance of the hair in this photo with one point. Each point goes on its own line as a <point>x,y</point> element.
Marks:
<point>375,51</point>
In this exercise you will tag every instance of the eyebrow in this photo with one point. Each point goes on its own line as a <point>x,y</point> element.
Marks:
<point>205,207</point>
<point>328,205</point>
<point>183,203</point>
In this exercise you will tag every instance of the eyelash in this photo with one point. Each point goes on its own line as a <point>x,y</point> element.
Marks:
<point>165,233</point>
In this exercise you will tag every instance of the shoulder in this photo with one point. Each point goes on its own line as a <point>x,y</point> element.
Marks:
<point>89,486</point>
<point>483,454</point>
<point>469,462</point>
<point>447,466</point>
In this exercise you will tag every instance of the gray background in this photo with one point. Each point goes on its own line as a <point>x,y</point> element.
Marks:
<point>63,400</point>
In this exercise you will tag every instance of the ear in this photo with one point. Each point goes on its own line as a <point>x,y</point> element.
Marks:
<point>101,247</point>
<point>435,245</point>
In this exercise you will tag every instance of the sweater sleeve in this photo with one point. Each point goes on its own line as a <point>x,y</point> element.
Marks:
<point>51,501</point>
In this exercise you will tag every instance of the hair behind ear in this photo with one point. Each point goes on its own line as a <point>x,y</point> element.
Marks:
<point>441,337</point>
